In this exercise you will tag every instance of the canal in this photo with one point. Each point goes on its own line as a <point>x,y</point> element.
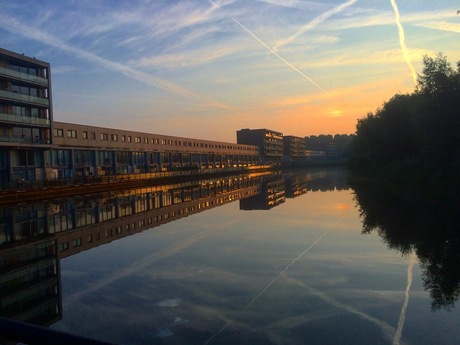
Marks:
<point>289,257</point>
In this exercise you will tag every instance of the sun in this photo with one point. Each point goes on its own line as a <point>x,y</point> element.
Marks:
<point>336,113</point>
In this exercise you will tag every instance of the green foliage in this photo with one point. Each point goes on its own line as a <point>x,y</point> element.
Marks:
<point>420,131</point>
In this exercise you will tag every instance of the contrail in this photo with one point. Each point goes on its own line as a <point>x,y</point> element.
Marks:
<point>315,22</point>
<point>402,316</point>
<point>272,51</point>
<point>15,27</point>
<point>388,330</point>
<point>268,285</point>
<point>284,270</point>
<point>402,40</point>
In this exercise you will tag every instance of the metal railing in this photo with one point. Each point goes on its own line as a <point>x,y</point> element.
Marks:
<point>24,119</point>
<point>23,185</point>
<point>6,72</point>
<point>24,98</point>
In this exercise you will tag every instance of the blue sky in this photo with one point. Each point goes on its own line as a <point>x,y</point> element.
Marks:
<point>204,69</point>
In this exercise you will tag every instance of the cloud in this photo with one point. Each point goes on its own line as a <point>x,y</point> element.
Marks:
<point>442,25</point>
<point>16,27</point>
<point>186,59</point>
<point>315,22</point>
<point>362,56</point>
<point>292,3</point>
<point>272,51</point>
<point>360,17</point>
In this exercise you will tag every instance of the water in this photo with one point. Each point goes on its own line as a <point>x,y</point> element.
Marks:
<point>287,265</point>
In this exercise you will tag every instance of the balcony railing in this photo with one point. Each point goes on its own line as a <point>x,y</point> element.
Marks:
<point>24,98</point>
<point>24,119</point>
<point>21,140</point>
<point>5,72</point>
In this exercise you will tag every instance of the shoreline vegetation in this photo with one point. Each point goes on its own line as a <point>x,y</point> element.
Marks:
<point>413,138</point>
<point>405,167</point>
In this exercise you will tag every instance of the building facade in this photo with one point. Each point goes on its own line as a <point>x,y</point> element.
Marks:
<point>25,116</point>
<point>81,151</point>
<point>269,142</point>
<point>34,148</point>
<point>294,147</point>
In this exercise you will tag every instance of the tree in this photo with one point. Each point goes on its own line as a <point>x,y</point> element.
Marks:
<point>437,76</point>
<point>419,131</point>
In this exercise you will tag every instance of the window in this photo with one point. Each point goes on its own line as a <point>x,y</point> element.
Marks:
<point>123,138</point>
<point>77,242</point>
<point>129,138</point>
<point>93,136</point>
<point>71,133</point>
<point>146,140</point>
<point>84,135</point>
<point>104,136</point>
<point>137,139</point>
<point>114,137</point>
<point>58,132</point>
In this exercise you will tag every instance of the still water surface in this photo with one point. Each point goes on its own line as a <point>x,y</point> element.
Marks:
<point>288,265</point>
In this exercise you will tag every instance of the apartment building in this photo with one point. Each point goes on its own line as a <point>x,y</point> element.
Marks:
<point>294,147</point>
<point>33,147</point>
<point>25,116</point>
<point>269,142</point>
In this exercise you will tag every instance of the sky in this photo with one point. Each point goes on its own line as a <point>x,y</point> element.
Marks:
<point>204,69</point>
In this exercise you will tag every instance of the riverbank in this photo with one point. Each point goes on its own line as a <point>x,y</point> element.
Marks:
<point>29,192</point>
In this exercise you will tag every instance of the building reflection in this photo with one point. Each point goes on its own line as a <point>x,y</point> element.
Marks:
<point>272,194</point>
<point>30,282</point>
<point>34,237</point>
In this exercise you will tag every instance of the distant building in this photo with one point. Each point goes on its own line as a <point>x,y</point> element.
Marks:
<point>270,143</point>
<point>294,147</point>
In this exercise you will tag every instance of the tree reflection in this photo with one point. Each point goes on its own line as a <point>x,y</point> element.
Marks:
<point>424,219</point>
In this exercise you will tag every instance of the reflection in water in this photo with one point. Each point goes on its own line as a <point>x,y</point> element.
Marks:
<point>34,237</point>
<point>420,220</point>
<point>280,274</point>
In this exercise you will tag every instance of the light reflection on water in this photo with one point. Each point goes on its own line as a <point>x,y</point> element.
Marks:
<point>298,271</point>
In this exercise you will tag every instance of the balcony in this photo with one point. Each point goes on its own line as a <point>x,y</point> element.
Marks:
<point>8,73</point>
<point>23,120</point>
<point>20,140</point>
<point>17,97</point>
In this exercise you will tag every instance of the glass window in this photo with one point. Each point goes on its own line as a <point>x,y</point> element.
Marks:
<point>71,133</point>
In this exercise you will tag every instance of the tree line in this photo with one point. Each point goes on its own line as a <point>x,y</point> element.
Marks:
<point>417,132</point>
